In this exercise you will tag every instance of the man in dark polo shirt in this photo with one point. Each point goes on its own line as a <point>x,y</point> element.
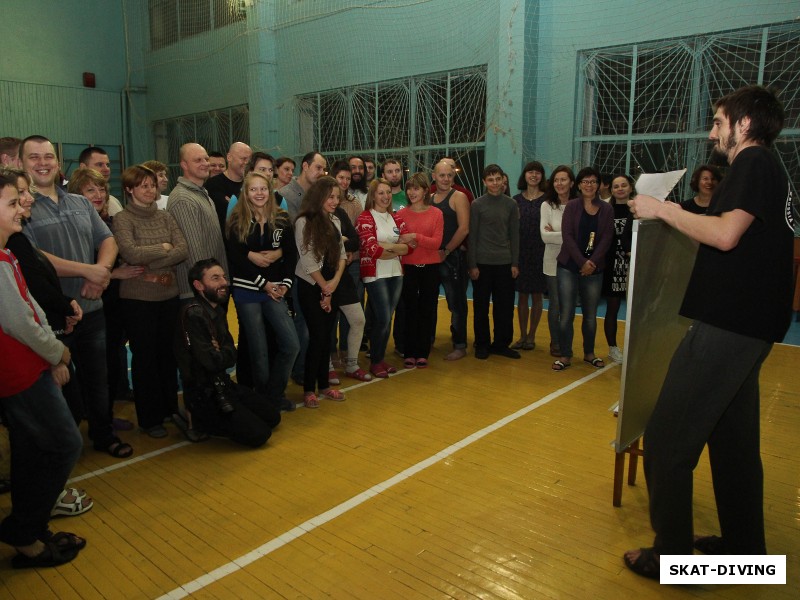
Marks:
<point>739,298</point>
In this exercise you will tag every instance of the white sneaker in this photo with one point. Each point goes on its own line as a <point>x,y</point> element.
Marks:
<point>615,354</point>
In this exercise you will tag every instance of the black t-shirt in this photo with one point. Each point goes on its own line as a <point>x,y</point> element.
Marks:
<point>693,207</point>
<point>221,189</point>
<point>748,290</point>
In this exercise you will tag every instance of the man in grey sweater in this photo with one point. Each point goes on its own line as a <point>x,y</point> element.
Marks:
<point>493,262</point>
<point>193,210</point>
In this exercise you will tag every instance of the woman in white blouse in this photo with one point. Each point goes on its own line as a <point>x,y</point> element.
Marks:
<point>560,190</point>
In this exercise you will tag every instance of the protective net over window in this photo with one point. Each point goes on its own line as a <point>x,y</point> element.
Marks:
<point>215,130</point>
<point>174,20</point>
<point>648,107</point>
<point>418,120</point>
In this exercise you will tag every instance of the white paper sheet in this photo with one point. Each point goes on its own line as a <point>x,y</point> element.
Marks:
<point>658,185</point>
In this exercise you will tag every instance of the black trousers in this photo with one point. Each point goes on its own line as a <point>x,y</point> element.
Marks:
<point>151,331</point>
<point>494,284</point>
<point>320,323</point>
<point>710,396</point>
<point>250,424</point>
<point>420,297</point>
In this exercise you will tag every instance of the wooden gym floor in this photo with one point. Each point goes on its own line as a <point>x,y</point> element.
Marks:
<point>476,479</point>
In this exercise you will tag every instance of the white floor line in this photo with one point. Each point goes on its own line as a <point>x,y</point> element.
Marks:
<point>319,520</point>
<point>128,462</point>
<point>132,461</point>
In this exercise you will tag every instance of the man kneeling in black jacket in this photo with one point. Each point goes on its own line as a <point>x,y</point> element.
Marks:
<point>204,349</point>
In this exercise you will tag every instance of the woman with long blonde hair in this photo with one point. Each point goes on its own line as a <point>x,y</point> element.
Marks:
<point>262,256</point>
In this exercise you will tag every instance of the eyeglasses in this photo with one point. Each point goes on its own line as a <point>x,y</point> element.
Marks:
<point>589,181</point>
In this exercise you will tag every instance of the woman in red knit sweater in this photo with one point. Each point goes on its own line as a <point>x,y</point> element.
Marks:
<point>420,269</point>
<point>383,242</point>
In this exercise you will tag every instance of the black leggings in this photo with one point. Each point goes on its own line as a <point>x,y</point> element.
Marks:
<point>319,325</point>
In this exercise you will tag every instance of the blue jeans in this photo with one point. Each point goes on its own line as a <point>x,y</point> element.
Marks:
<point>453,271</point>
<point>301,328</point>
<point>383,296</point>
<point>590,287</point>
<point>45,445</point>
<point>553,314</point>
<point>255,317</point>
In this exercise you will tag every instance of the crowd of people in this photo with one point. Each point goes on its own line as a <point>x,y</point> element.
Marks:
<point>322,264</point>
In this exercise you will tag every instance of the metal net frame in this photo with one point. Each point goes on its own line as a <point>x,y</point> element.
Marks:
<point>648,107</point>
<point>418,120</point>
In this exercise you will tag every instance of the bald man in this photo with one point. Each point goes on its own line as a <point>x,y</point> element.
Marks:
<point>455,186</point>
<point>194,211</point>
<point>228,184</point>
<point>453,268</point>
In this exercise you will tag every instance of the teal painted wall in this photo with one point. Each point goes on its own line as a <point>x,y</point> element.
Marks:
<point>47,45</point>
<point>288,48</point>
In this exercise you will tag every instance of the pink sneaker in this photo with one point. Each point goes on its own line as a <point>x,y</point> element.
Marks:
<point>333,378</point>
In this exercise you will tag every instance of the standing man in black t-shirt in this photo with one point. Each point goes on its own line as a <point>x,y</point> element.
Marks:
<point>739,298</point>
<point>221,188</point>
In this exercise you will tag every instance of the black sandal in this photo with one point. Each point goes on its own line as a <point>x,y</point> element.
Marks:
<point>51,556</point>
<point>65,540</point>
<point>647,565</point>
<point>115,447</point>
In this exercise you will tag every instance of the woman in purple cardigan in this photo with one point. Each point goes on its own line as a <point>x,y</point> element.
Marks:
<point>587,230</point>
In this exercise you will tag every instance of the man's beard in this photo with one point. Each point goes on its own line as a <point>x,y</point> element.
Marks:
<point>730,144</point>
<point>360,185</point>
<point>216,295</point>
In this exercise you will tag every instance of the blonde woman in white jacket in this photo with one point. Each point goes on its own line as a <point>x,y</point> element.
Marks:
<point>560,191</point>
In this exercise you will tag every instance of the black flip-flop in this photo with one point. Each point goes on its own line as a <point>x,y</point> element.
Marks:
<point>67,541</point>
<point>597,363</point>
<point>646,565</point>
<point>710,544</point>
<point>51,556</point>
<point>560,366</point>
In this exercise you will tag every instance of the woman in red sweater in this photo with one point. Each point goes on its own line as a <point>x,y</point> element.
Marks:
<point>420,269</point>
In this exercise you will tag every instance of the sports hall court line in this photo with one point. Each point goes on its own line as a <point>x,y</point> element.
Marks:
<point>323,518</point>
<point>154,453</point>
